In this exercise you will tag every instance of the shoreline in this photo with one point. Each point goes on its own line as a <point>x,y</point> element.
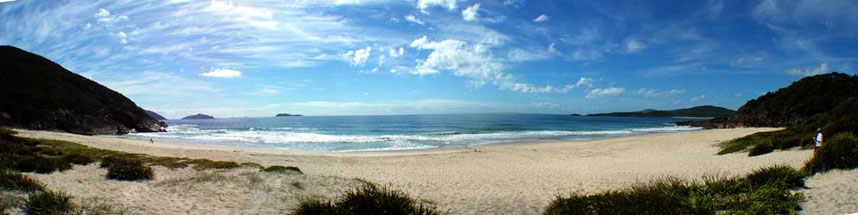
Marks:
<point>509,178</point>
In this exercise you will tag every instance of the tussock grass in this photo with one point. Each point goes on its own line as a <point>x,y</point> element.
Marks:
<point>127,170</point>
<point>841,152</point>
<point>16,181</point>
<point>368,199</point>
<point>48,202</point>
<point>282,169</point>
<point>764,191</point>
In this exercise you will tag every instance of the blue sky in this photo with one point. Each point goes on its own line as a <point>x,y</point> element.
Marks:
<point>355,57</point>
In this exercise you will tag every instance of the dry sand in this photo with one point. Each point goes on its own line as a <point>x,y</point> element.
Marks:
<point>500,179</point>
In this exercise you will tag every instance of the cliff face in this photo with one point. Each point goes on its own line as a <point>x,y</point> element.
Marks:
<point>36,93</point>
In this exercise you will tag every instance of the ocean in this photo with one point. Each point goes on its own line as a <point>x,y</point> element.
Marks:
<point>402,132</point>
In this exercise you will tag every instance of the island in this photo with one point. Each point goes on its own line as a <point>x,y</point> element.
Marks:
<point>198,116</point>
<point>705,111</point>
<point>286,114</point>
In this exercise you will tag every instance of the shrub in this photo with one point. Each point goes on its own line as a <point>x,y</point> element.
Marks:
<point>16,181</point>
<point>841,152</point>
<point>203,164</point>
<point>663,196</point>
<point>40,164</point>
<point>48,202</point>
<point>778,175</point>
<point>368,199</point>
<point>282,169</point>
<point>762,148</point>
<point>769,199</point>
<point>129,170</point>
<point>78,159</point>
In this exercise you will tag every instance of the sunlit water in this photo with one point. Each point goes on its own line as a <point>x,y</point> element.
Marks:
<point>402,132</point>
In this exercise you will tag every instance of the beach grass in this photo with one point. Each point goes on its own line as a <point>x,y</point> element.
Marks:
<point>765,142</point>
<point>127,170</point>
<point>16,181</point>
<point>48,202</point>
<point>764,191</point>
<point>368,199</point>
<point>282,169</point>
<point>841,152</point>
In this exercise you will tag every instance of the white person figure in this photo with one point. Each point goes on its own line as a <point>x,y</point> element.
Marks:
<point>817,141</point>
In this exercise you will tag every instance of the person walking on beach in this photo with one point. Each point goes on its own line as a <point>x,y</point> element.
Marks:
<point>817,141</point>
<point>151,141</point>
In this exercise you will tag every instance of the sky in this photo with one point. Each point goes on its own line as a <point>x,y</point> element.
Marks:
<point>368,57</point>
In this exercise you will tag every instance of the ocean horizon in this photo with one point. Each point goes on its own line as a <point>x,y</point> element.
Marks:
<point>402,132</point>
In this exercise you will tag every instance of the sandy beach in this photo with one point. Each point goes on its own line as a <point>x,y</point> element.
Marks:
<point>493,179</point>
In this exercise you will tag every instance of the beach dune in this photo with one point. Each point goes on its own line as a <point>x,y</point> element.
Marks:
<point>519,178</point>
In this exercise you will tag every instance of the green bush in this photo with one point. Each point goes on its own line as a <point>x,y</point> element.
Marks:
<point>48,202</point>
<point>78,159</point>
<point>841,152</point>
<point>778,175</point>
<point>282,169</point>
<point>768,199</point>
<point>128,170</point>
<point>368,199</point>
<point>40,164</point>
<point>663,196</point>
<point>764,147</point>
<point>16,181</point>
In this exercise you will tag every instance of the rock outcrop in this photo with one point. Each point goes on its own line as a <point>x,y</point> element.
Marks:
<point>36,93</point>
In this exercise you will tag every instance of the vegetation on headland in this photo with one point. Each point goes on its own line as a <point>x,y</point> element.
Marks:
<point>369,199</point>
<point>36,93</point>
<point>699,111</point>
<point>827,101</point>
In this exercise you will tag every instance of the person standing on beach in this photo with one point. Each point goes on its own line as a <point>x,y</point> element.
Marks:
<point>151,140</point>
<point>817,141</point>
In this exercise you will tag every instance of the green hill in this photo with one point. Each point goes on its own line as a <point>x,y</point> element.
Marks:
<point>827,101</point>
<point>699,111</point>
<point>36,93</point>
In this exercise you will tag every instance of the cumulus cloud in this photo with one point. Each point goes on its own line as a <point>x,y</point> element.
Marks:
<point>474,61</point>
<point>822,69</point>
<point>541,18</point>
<point>222,73</point>
<point>123,38</point>
<point>470,13</point>
<point>633,46</point>
<point>449,4</point>
<point>394,54</point>
<point>357,57</point>
<point>652,93</point>
<point>414,19</point>
<point>603,92</point>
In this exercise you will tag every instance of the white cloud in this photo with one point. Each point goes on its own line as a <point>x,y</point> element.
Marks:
<point>1,1</point>
<point>584,81</point>
<point>105,18</point>
<point>122,37</point>
<point>602,92</point>
<point>698,98</point>
<point>738,95</point>
<point>414,19</point>
<point>424,4</point>
<point>652,93</point>
<point>633,46</point>
<point>357,57</point>
<point>470,13</point>
<point>822,69</point>
<point>474,61</point>
<point>152,85</point>
<point>394,54</point>
<point>541,18</point>
<point>222,73</point>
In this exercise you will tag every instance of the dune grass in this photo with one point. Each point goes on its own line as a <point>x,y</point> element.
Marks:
<point>49,202</point>
<point>841,152</point>
<point>127,170</point>
<point>368,199</point>
<point>282,169</point>
<point>764,191</point>
<point>765,142</point>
